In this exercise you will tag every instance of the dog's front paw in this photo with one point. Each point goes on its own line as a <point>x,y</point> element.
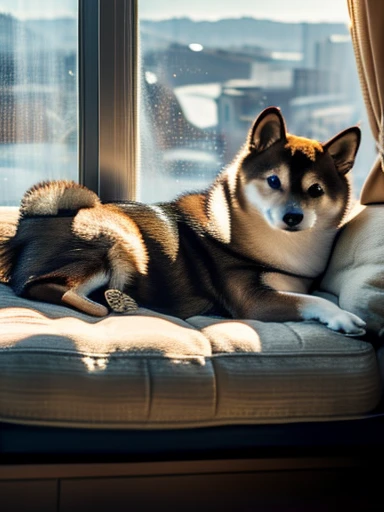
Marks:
<point>346,323</point>
<point>334,318</point>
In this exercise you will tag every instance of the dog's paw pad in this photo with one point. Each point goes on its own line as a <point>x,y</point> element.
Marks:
<point>119,302</point>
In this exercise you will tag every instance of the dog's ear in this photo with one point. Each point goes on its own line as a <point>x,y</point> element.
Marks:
<point>268,128</point>
<point>343,148</point>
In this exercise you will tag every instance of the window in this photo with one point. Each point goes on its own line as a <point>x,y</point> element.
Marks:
<point>38,94</point>
<point>208,68</point>
<point>73,106</point>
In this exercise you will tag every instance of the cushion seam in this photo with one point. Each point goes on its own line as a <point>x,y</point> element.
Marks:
<point>296,335</point>
<point>358,353</point>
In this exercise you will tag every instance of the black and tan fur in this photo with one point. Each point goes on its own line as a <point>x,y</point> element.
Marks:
<point>240,248</point>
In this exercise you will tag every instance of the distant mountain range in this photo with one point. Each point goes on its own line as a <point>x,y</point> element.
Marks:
<point>61,33</point>
<point>37,35</point>
<point>237,33</point>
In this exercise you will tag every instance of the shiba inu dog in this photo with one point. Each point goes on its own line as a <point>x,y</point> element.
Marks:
<point>247,247</point>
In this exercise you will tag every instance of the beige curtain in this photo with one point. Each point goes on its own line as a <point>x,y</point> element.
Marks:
<point>367,31</point>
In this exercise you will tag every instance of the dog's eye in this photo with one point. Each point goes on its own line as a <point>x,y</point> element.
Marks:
<point>274,182</point>
<point>315,190</point>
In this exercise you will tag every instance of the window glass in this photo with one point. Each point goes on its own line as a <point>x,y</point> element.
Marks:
<point>208,69</point>
<point>38,94</point>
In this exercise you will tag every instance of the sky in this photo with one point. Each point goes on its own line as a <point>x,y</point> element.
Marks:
<point>282,10</point>
<point>39,8</point>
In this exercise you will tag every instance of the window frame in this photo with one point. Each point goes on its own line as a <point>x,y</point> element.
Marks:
<point>108,92</point>
<point>88,55</point>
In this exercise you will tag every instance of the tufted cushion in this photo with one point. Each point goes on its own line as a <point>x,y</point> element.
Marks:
<point>61,367</point>
<point>355,272</point>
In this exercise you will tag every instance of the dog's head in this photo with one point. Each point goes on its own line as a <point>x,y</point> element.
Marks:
<point>294,182</point>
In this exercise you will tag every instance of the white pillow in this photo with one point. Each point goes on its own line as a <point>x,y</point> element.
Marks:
<point>355,272</point>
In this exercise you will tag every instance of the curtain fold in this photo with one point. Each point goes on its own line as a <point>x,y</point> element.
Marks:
<point>367,32</point>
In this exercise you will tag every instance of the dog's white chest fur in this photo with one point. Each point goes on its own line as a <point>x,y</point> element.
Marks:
<point>304,253</point>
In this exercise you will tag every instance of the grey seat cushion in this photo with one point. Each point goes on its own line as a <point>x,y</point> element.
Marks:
<point>60,367</point>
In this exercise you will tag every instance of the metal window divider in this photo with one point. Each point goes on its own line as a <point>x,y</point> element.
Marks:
<point>118,99</point>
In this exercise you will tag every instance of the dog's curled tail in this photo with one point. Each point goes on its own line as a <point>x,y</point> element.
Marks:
<point>55,197</point>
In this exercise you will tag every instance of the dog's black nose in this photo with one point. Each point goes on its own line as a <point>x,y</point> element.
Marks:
<point>293,219</point>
